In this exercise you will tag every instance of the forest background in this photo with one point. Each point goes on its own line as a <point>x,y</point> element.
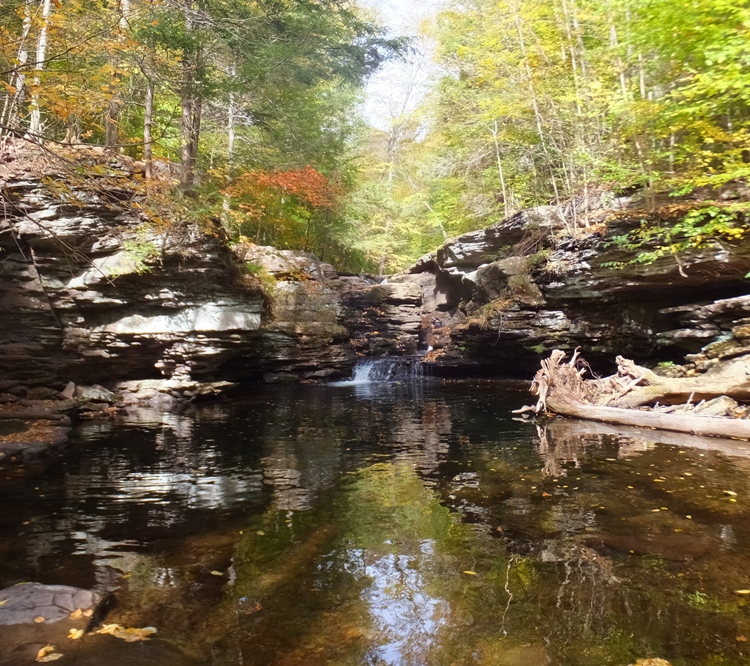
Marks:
<point>249,112</point>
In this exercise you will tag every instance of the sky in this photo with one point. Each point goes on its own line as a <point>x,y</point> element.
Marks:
<point>399,86</point>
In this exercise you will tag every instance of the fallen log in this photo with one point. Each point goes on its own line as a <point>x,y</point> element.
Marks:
<point>634,385</point>
<point>562,390</point>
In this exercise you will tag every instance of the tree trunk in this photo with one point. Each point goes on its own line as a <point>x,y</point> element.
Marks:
<point>112,123</point>
<point>148,146</point>
<point>226,203</point>
<point>13,102</point>
<point>494,131</point>
<point>35,123</point>
<point>187,169</point>
<point>189,101</point>
<point>693,425</point>
<point>195,129</point>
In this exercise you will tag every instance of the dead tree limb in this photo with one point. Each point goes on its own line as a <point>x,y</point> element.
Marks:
<point>562,390</point>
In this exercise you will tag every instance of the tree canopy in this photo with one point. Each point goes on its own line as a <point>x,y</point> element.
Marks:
<point>256,102</point>
<point>547,101</point>
<point>224,89</point>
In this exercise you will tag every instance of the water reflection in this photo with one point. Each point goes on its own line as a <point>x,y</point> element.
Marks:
<point>407,618</point>
<point>408,525</point>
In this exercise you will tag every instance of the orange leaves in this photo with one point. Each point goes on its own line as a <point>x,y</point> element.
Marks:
<point>308,185</point>
<point>282,207</point>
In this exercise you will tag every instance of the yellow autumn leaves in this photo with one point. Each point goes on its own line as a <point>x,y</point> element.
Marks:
<point>50,652</point>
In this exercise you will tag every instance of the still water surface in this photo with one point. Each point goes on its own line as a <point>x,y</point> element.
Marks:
<point>391,525</point>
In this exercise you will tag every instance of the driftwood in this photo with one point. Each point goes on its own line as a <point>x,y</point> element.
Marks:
<point>561,389</point>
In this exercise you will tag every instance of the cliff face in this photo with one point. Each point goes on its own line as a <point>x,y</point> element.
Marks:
<point>500,299</point>
<point>91,292</point>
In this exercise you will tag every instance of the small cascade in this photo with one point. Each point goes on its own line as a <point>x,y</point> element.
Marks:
<point>403,369</point>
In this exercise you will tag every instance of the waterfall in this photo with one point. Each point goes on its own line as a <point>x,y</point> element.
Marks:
<point>385,370</point>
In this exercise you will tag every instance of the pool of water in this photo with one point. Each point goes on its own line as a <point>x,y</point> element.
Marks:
<point>391,524</point>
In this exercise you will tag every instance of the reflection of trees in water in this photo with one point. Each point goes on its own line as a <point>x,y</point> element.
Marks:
<point>305,441</point>
<point>585,596</point>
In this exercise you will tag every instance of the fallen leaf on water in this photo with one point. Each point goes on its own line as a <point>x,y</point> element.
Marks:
<point>545,494</point>
<point>352,633</point>
<point>731,493</point>
<point>260,533</point>
<point>470,573</point>
<point>75,634</point>
<point>38,619</point>
<point>128,635</point>
<point>742,591</point>
<point>741,639</point>
<point>216,573</point>
<point>76,614</point>
<point>47,653</point>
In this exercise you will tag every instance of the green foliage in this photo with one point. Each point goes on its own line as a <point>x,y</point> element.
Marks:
<point>265,280</point>
<point>142,252</point>
<point>547,100</point>
<point>698,228</point>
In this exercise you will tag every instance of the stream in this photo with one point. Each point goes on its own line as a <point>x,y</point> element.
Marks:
<point>397,523</point>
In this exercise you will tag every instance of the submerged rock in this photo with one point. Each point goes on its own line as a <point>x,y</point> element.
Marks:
<point>29,603</point>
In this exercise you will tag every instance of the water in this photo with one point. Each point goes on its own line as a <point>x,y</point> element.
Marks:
<point>414,524</point>
<point>385,370</point>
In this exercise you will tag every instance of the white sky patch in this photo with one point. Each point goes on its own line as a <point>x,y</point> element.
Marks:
<point>400,86</point>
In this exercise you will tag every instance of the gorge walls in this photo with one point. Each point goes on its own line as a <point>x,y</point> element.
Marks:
<point>94,291</point>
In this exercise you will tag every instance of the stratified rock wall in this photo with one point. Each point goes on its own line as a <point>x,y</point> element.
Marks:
<point>91,292</point>
<point>498,300</point>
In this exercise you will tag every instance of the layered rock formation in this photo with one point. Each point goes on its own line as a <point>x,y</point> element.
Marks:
<point>498,300</point>
<point>95,289</point>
